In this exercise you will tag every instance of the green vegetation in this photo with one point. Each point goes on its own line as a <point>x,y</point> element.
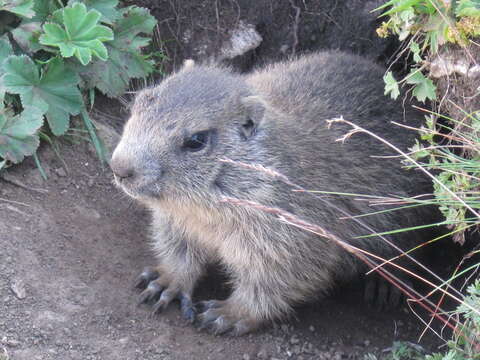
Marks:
<point>452,153</point>
<point>400,350</point>
<point>450,147</point>
<point>426,25</point>
<point>53,55</point>
<point>463,346</point>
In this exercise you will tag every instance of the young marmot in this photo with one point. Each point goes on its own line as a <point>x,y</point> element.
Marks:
<point>170,158</point>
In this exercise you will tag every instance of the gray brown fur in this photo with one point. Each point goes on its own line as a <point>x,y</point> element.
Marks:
<point>272,265</point>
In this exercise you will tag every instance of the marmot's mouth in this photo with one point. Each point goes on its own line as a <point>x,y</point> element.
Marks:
<point>139,188</point>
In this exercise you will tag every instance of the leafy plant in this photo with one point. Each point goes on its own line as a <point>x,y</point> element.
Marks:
<point>465,344</point>
<point>427,25</point>
<point>53,54</point>
<point>451,147</point>
<point>400,350</point>
<point>80,34</point>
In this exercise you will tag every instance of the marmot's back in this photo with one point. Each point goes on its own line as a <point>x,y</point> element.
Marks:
<point>325,85</point>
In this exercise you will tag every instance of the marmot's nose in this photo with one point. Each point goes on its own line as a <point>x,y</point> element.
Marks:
<point>121,169</point>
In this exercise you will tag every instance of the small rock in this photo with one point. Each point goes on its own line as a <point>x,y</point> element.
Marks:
<point>242,39</point>
<point>307,348</point>
<point>246,357</point>
<point>296,349</point>
<point>311,328</point>
<point>294,340</point>
<point>18,288</point>
<point>262,354</point>
<point>12,343</point>
<point>61,172</point>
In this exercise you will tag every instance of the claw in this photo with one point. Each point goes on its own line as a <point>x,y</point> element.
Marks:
<point>243,327</point>
<point>207,317</point>
<point>382,295</point>
<point>187,308</point>
<point>162,303</point>
<point>203,306</point>
<point>221,325</point>
<point>151,292</point>
<point>148,274</point>
<point>215,321</point>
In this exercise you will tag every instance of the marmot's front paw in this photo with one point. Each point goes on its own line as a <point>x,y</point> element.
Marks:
<point>162,289</point>
<point>222,316</point>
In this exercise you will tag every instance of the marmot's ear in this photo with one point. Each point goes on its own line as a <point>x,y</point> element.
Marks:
<point>188,64</point>
<point>254,111</point>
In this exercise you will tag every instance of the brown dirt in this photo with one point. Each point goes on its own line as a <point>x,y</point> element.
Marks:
<point>197,29</point>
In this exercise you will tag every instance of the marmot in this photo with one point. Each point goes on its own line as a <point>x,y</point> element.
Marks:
<point>170,158</point>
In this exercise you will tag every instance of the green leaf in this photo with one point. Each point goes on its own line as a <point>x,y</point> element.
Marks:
<point>26,35</point>
<point>415,49</point>
<point>135,21</point>
<point>391,85</point>
<point>44,9</point>
<point>424,87</point>
<point>79,34</point>
<point>125,58</point>
<point>418,151</point>
<point>108,9</point>
<point>55,92</point>
<point>468,8</point>
<point>399,5</point>
<point>18,134</point>
<point>19,7</point>
<point>5,51</point>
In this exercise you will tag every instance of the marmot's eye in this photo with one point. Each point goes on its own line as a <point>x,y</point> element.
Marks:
<point>196,142</point>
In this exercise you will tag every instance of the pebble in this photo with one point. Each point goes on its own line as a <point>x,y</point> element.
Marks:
<point>296,349</point>
<point>61,172</point>
<point>12,343</point>
<point>246,357</point>
<point>18,288</point>
<point>262,354</point>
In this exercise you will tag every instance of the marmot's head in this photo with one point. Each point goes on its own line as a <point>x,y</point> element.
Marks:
<point>178,131</point>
